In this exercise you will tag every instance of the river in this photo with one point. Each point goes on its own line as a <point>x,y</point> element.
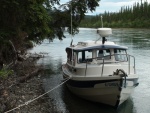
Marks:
<point>62,101</point>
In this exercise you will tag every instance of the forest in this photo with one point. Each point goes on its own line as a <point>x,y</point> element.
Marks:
<point>135,16</point>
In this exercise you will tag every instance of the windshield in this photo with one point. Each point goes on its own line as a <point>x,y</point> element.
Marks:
<point>120,55</point>
<point>104,54</point>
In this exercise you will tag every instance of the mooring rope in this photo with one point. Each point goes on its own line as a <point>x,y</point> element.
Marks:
<point>28,102</point>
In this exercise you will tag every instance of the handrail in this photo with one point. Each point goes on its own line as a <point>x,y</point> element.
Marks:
<point>134,63</point>
<point>129,64</point>
<point>102,67</point>
<point>103,57</point>
<point>86,67</point>
<point>114,62</point>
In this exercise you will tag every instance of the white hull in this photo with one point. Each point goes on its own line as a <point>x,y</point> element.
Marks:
<point>100,95</point>
<point>110,95</point>
<point>112,91</point>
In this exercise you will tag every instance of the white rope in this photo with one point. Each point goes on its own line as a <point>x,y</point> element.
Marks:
<point>28,102</point>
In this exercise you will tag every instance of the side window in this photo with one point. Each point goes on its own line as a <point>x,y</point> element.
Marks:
<point>84,56</point>
<point>120,55</point>
<point>69,54</point>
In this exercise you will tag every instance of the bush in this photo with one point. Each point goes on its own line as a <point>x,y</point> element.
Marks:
<point>4,72</point>
<point>28,45</point>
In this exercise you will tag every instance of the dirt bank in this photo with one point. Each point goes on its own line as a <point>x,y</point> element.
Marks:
<point>24,85</point>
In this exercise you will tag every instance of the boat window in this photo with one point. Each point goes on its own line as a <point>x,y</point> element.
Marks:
<point>103,54</point>
<point>84,56</point>
<point>69,54</point>
<point>120,55</point>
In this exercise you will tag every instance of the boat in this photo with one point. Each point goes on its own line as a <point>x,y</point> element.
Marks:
<point>100,71</point>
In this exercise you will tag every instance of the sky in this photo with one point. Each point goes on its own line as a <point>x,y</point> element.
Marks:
<point>114,5</point>
<point>110,5</point>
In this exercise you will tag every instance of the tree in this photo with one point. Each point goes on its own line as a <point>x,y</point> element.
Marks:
<point>130,17</point>
<point>35,20</point>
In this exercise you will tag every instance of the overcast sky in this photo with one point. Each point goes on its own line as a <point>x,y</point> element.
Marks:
<point>110,5</point>
<point>114,5</point>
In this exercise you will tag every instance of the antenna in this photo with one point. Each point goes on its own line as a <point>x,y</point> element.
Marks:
<point>71,35</point>
<point>102,21</point>
<point>98,30</point>
<point>71,19</point>
<point>71,24</point>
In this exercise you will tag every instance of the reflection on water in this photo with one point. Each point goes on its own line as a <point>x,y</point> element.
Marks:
<point>138,42</point>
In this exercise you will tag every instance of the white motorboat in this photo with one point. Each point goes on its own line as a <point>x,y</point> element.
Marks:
<point>100,71</point>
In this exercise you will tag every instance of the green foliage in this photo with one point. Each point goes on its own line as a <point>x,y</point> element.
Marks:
<point>28,44</point>
<point>61,17</point>
<point>35,20</point>
<point>23,19</point>
<point>136,16</point>
<point>39,19</point>
<point>4,72</point>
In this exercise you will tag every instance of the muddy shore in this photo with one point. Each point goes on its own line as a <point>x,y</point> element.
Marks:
<point>24,85</point>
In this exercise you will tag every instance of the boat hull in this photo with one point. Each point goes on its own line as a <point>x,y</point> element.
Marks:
<point>110,92</point>
<point>100,95</point>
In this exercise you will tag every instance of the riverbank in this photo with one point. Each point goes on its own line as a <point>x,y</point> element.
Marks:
<point>24,85</point>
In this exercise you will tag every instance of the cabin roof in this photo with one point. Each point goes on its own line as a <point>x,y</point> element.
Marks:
<point>90,45</point>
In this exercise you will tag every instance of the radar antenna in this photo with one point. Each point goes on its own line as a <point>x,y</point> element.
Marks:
<point>103,32</point>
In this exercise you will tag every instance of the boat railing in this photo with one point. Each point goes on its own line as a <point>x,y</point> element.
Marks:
<point>129,63</point>
<point>104,61</point>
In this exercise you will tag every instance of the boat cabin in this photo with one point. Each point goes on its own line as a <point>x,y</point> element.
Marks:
<point>96,52</point>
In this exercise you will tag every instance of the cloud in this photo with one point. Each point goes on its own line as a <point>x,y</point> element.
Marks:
<point>110,5</point>
<point>114,5</point>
